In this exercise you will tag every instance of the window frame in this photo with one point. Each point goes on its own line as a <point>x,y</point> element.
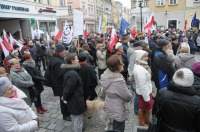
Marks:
<point>196,1</point>
<point>160,2</point>
<point>173,3</point>
<point>62,3</point>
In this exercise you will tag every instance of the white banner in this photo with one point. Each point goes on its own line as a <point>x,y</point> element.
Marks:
<point>67,34</point>
<point>78,22</point>
<point>100,28</point>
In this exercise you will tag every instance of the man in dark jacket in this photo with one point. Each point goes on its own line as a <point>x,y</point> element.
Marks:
<point>162,67</point>
<point>179,104</point>
<point>175,45</point>
<point>73,94</point>
<point>125,40</point>
<point>88,77</point>
<point>33,49</point>
<point>54,75</point>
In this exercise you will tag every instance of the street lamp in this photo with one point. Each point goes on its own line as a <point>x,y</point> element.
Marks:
<point>140,5</point>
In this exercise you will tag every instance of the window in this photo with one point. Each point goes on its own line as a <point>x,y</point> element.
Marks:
<point>133,4</point>
<point>62,2</point>
<point>49,2</point>
<point>160,3</point>
<point>173,2</point>
<point>40,1</point>
<point>69,8</point>
<point>196,0</point>
<point>146,3</point>
<point>52,26</point>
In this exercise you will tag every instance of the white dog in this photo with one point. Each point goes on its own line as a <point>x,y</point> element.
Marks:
<point>96,107</point>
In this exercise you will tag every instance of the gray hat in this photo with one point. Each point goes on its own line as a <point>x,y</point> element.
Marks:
<point>59,48</point>
<point>162,42</point>
<point>4,82</point>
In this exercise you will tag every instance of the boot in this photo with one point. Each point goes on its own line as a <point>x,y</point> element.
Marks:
<point>39,111</point>
<point>147,117</point>
<point>141,118</point>
<point>43,109</point>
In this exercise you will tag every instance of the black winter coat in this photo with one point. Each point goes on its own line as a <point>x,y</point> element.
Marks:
<point>73,93</point>
<point>36,76</point>
<point>180,109</point>
<point>89,79</point>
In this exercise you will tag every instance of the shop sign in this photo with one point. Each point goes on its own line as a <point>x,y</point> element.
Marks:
<point>14,8</point>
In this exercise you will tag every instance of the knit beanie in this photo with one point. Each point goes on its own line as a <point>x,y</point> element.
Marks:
<point>59,48</point>
<point>196,68</point>
<point>139,54</point>
<point>183,77</point>
<point>4,82</point>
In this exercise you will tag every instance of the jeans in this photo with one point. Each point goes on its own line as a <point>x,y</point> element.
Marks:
<point>77,122</point>
<point>135,99</point>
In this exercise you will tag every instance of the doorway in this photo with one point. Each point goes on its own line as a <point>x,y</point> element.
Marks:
<point>172,24</point>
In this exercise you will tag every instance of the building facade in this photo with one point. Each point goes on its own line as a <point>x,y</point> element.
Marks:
<point>169,13</point>
<point>119,13</point>
<point>15,16</point>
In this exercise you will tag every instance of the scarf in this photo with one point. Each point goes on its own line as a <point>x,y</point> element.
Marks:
<point>144,64</point>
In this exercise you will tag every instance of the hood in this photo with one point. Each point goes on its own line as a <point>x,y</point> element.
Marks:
<point>14,103</point>
<point>108,77</point>
<point>70,66</point>
<point>185,56</point>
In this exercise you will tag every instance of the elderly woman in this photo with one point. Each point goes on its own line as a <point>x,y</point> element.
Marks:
<point>101,59</point>
<point>118,95</point>
<point>16,115</point>
<point>185,59</point>
<point>29,65</point>
<point>21,78</point>
<point>142,76</point>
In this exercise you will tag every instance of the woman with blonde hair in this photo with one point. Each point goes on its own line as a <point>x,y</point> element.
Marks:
<point>184,59</point>
<point>142,76</point>
<point>101,58</point>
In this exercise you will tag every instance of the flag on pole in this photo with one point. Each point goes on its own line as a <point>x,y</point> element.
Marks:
<point>113,40</point>
<point>5,51</point>
<point>15,42</point>
<point>149,26</point>
<point>84,32</point>
<point>185,26</point>
<point>100,28</point>
<point>58,34</point>
<point>194,23</point>
<point>104,24</point>
<point>123,26</point>
<point>5,41</point>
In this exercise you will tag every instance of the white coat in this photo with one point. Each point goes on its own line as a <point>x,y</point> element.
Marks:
<point>143,82</point>
<point>16,116</point>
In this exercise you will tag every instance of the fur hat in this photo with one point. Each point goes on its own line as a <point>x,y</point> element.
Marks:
<point>59,48</point>
<point>4,82</point>
<point>183,77</point>
<point>118,45</point>
<point>162,42</point>
<point>196,68</point>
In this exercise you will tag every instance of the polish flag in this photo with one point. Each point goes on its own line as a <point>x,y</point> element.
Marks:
<point>5,51</point>
<point>149,27</point>
<point>113,40</point>
<point>58,33</point>
<point>14,41</point>
<point>85,32</point>
<point>5,41</point>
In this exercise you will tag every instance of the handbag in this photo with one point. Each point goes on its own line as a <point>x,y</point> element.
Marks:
<point>155,121</point>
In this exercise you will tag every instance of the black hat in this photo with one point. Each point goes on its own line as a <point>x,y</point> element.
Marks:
<point>15,46</point>
<point>82,57</point>
<point>162,42</point>
<point>72,49</point>
<point>139,43</point>
<point>174,38</point>
<point>59,48</point>
<point>133,41</point>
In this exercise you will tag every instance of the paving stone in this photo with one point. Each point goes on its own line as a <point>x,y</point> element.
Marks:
<point>52,126</point>
<point>67,129</point>
<point>44,124</point>
<point>54,115</point>
<point>52,120</point>
<point>60,122</point>
<point>59,128</point>
<point>67,123</point>
<point>42,130</point>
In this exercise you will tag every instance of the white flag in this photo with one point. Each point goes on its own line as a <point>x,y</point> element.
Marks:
<point>100,28</point>
<point>67,33</point>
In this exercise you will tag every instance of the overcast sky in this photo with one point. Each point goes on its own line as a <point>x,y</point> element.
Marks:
<point>126,3</point>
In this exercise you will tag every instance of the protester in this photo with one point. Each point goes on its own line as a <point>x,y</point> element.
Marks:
<point>117,93</point>
<point>16,115</point>
<point>101,59</point>
<point>73,94</point>
<point>142,76</point>
<point>29,65</point>
<point>21,79</point>
<point>179,104</point>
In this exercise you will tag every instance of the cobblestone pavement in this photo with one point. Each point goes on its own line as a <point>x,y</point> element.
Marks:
<point>52,120</point>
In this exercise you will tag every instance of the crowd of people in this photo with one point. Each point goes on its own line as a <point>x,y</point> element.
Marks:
<point>73,71</point>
